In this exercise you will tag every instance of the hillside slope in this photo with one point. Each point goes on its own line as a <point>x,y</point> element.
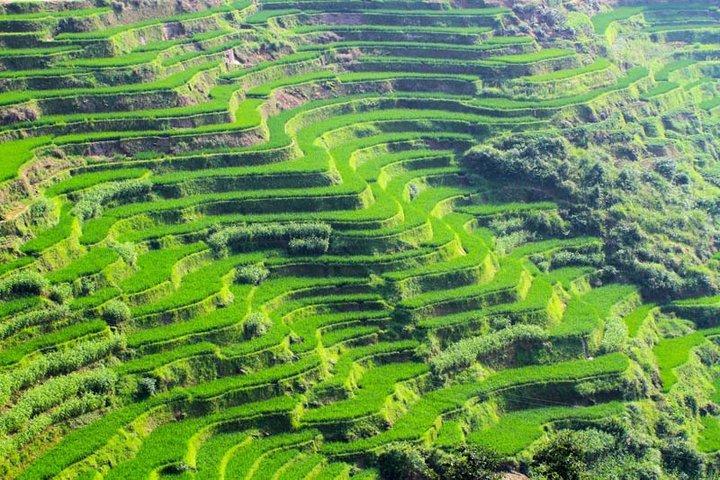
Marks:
<point>320,239</point>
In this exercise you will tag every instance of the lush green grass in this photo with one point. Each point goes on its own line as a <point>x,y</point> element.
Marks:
<point>155,267</point>
<point>87,180</point>
<point>539,56</point>
<point>16,353</point>
<point>635,319</point>
<point>586,313</point>
<point>14,154</point>
<point>422,415</point>
<point>92,262</point>
<point>673,352</point>
<point>598,65</point>
<point>602,21</point>
<point>373,389</point>
<point>660,89</point>
<point>515,431</point>
<point>709,438</point>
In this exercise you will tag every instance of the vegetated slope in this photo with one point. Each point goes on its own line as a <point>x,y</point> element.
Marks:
<point>279,238</point>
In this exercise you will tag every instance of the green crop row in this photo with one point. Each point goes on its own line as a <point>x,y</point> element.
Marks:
<point>375,386</point>
<point>423,415</point>
<point>516,430</point>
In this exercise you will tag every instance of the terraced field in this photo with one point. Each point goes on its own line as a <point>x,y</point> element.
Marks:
<point>266,239</point>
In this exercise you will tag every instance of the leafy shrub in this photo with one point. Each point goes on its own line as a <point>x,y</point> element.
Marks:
<point>40,210</point>
<point>83,286</point>
<point>127,252</point>
<point>61,293</point>
<point>116,312</point>
<point>147,386</point>
<point>570,258</point>
<point>462,354</point>
<point>308,246</point>
<point>252,274</point>
<point>679,456</point>
<point>90,204</point>
<point>256,325</point>
<point>22,285</point>
<point>559,458</point>
<point>615,335</point>
<point>473,463</point>
<point>404,461</point>
<point>362,429</point>
<point>243,237</point>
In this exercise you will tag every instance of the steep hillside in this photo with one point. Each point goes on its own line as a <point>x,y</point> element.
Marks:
<point>325,239</point>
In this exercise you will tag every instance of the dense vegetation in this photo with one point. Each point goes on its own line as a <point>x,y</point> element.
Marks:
<point>367,239</point>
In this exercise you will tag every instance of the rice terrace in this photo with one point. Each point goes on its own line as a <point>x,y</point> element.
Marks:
<point>359,239</point>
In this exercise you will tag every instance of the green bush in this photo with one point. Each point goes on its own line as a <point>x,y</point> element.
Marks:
<point>617,204</point>
<point>256,325</point>
<point>308,246</point>
<point>312,236</point>
<point>23,285</point>
<point>61,293</point>
<point>83,286</point>
<point>116,313</point>
<point>560,458</point>
<point>127,252</point>
<point>90,204</point>
<point>405,461</point>
<point>146,387</point>
<point>252,274</point>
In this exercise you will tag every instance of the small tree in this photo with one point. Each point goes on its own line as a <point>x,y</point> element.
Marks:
<point>252,274</point>
<point>679,456</point>
<point>308,246</point>
<point>60,293</point>
<point>560,458</point>
<point>404,462</point>
<point>116,312</point>
<point>83,286</point>
<point>147,386</point>
<point>23,284</point>
<point>256,325</point>
<point>473,463</point>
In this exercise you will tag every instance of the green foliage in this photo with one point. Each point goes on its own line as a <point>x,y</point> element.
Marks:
<point>464,353</point>
<point>147,387</point>
<point>252,274</point>
<point>637,243</point>
<point>90,204</point>
<point>404,461</point>
<point>298,237</point>
<point>256,325</point>
<point>308,246</point>
<point>22,285</point>
<point>61,293</point>
<point>561,458</point>
<point>116,313</point>
<point>673,352</point>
